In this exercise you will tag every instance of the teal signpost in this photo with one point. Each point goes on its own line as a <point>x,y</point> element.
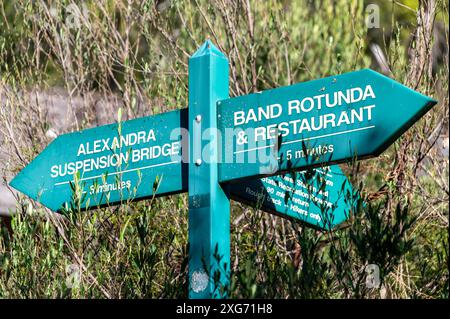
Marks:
<point>209,205</point>
<point>110,164</point>
<point>321,197</point>
<point>355,115</point>
<point>271,149</point>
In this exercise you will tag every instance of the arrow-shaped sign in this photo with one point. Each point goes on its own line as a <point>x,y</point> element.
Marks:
<point>351,115</point>
<point>141,158</point>
<point>321,197</point>
<point>330,120</point>
<point>109,164</point>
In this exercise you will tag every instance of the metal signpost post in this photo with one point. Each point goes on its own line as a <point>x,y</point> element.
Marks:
<point>209,206</point>
<point>249,148</point>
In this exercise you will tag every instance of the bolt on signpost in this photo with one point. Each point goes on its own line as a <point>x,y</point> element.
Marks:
<point>278,134</point>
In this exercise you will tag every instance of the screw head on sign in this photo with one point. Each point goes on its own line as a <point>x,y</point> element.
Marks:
<point>198,162</point>
<point>198,118</point>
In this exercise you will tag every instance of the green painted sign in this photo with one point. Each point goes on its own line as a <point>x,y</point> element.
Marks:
<point>109,164</point>
<point>143,158</point>
<point>331,120</point>
<point>321,197</point>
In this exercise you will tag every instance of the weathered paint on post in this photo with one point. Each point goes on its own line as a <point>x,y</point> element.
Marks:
<point>209,206</point>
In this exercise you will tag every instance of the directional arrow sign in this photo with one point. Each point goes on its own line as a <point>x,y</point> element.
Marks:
<point>109,164</point>
<point>330,120</point>
<point>294,128</point>
<point>321,197</point>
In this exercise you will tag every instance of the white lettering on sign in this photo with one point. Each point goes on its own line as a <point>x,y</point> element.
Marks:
<point>305,123</point>
<point>115,152</point>
<point>108,187</point>
<point>116,142</point>
<point>269,112</point>
<point>301,195</point>
<point>338,98</point>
